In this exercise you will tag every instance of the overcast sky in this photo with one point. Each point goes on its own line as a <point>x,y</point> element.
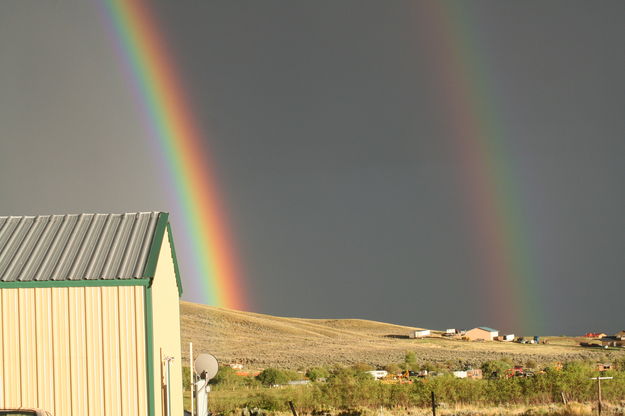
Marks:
<point>333,150</point>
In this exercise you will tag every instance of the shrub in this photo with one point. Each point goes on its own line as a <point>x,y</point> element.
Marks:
<point>273,376</point>
<point>316,373</point>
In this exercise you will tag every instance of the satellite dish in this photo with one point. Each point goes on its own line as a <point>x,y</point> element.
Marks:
<point>205,365</point>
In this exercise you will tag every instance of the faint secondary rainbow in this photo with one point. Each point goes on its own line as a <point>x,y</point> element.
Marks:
<point>487,170</point>
<point>171,122</point>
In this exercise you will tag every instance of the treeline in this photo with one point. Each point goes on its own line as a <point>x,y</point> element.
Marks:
<point>351,388</point>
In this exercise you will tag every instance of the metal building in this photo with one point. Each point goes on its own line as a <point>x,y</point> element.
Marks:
<point>89,315</point>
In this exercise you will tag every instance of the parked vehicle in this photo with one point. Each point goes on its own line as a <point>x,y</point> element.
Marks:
<point>24,412</point>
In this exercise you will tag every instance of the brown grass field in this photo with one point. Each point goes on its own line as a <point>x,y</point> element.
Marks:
<point>258,341</point>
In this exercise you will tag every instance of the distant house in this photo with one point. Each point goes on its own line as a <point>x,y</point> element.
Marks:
<point>595,335</point>
<point>482,333</point>
<point>617,340</point>
<point>475,374</point>
<point>378,374</point>
<point>420,333</point>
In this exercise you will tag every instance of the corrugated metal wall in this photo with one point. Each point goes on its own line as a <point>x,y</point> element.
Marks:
<point>73,351</point>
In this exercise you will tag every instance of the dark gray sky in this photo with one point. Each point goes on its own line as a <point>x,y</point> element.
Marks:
<point>334,151</point>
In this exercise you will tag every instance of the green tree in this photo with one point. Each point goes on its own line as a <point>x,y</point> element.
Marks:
<point>316,373</point>
<point>226,376</point>
<point>495,369</point>
<point>272,376</point>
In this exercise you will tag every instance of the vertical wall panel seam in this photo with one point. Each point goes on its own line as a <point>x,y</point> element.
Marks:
<point>103,352</point>
<point>51,322</point>
<point>119,349</point>
<point>72,379</point>
<point>19,346</point>
<point>102,385</point>
<point>36,321</point>
<point>87,402</point>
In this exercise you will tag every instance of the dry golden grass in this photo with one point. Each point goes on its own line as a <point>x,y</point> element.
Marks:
<point>260,341</point>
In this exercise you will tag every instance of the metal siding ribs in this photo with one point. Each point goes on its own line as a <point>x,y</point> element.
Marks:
<point>75,247</point>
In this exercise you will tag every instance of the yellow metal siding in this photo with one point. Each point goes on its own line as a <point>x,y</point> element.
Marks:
<point>95,375</point>
<point>78,341</point>
<point>27,343</point>
<point>45,355</point>
<point>60,348</point>
<point>142,387</point>
<point>166,318</point>
<point>73,351</point>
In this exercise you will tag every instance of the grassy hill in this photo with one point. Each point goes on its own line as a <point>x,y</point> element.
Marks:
<point>260,341</point>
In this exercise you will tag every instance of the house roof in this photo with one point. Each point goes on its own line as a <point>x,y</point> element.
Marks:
<point>49,248</point>
<point>485,328</point>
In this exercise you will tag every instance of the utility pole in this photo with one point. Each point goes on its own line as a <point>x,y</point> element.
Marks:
<point>191,370</point>
<point>599,404</point>
<point>433,404</point>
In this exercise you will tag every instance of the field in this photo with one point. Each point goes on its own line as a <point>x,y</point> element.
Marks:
<point>258,341</point>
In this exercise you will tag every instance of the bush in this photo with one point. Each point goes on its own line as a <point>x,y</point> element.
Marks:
<point>274,376</point>
<point>348,389</point>
<point>227,376</point>
<point>495,369</point>
<point>316,373</point>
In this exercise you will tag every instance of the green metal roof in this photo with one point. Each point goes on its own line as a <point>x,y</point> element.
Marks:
<point>485,328</point>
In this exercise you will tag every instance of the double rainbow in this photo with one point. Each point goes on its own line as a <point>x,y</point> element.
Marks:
<point>487,169</point>
<point>178,137</point>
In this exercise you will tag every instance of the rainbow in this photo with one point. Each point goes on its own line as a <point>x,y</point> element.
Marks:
<point>180,141</point>
<point>486,169</point>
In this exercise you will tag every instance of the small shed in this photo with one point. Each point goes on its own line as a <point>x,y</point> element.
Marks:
<point>612,342</point>
<point>89,315</point>
<point>482,333</point>
<point>421,333</point>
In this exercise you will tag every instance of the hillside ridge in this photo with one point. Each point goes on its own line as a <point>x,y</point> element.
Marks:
<point>258,341</point>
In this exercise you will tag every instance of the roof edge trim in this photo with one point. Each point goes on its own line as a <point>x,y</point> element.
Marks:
<point>155,246</point>
<point>175,259</point>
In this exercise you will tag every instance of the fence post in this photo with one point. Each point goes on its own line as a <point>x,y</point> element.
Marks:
<point>599,394</point>
<point>292,406</point>
<point>433,404</point>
